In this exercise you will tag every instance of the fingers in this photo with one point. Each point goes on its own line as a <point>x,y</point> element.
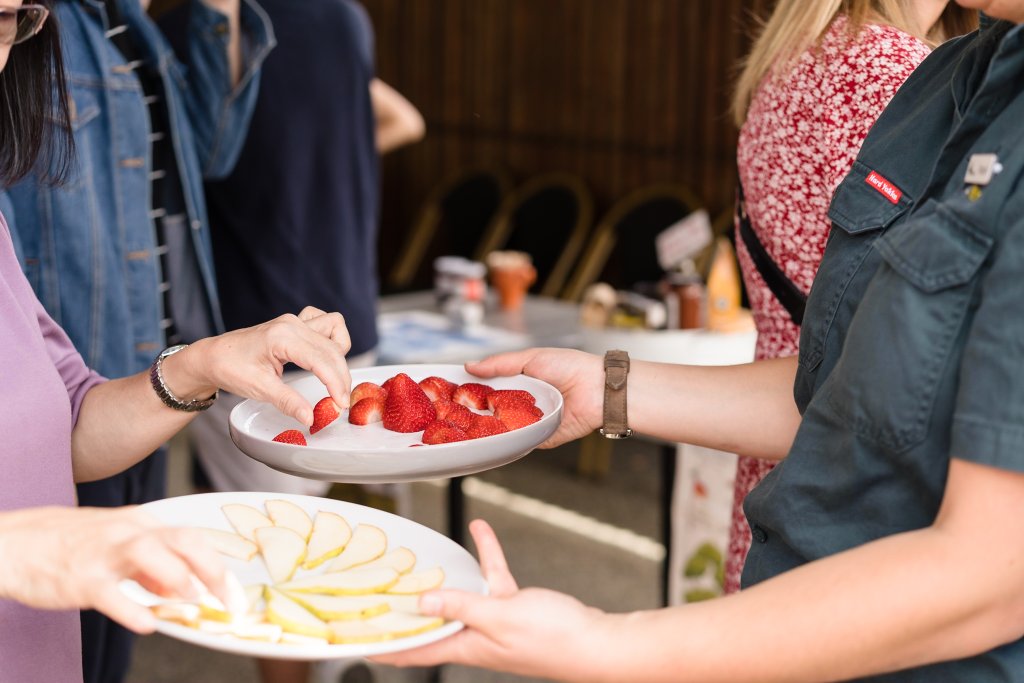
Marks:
<point>501,365</point>
<point>310,312</point>
<point>492,559</point>
<point>290,402</point>
<point>133,616</point>
<point>202,561</point>
<point>300,344</point>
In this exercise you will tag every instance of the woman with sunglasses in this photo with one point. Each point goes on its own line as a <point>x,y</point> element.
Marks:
<point>887,543</point>
<point>61,423</point>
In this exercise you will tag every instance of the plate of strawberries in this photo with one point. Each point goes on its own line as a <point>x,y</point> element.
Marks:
<point>405,423</point>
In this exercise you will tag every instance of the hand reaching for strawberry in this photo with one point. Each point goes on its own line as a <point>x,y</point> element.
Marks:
<point>249,362</point>
<point>578,376</point>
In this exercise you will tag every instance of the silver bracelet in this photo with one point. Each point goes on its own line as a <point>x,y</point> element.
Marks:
<point>156,378</point>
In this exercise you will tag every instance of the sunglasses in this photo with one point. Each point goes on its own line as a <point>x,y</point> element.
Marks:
<point>18,24</point>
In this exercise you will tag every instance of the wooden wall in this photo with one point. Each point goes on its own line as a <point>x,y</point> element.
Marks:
<point>622,92</point>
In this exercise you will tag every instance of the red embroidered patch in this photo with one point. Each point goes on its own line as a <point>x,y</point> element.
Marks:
<point>890,191</point>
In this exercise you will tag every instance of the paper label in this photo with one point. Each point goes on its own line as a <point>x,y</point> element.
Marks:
<point>684,239</point>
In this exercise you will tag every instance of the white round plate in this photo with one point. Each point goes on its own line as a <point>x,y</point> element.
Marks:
<point>431,549</point>
<point>371,454</point>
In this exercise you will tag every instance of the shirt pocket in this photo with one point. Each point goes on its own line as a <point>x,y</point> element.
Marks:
<point>900,347</point>
<point>859,215</point>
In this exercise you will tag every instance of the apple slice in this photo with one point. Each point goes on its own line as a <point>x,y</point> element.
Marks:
<point>185,613</point>
<point>230,544</point>
<point>268,632</point>
<point>290,516</point>
<point>342,607</point>
<point>387,626</point>
<point>402,560</point>
<point>296,639</point>
<point>245,519</point>
<point>254,596</point>
<point>367,544</point>
<point>217,628</point>
<point>412,584</point>
<point>283,551</point>
<point>409,604</point>
<point>211,607</point>
<point>331,534</point>
<point>352,582</point>
<point>293,617</point>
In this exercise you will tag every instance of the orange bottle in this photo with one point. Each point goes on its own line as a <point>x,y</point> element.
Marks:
<point>723,288</point>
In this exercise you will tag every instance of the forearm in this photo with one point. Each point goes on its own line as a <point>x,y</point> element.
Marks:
<point>747,409</point>
<point>847,616</point>
<point>122,421</point>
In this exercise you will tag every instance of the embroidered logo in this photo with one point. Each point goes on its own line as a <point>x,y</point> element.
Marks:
<point>890,191</point>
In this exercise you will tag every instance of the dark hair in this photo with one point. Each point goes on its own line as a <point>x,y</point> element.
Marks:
<point>35,129</point>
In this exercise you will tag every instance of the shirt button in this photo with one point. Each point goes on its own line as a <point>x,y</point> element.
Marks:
<point>759,534</point>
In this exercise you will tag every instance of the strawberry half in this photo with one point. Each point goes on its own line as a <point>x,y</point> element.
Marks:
<point>442,432</point>
<point>485,425</point>
<point>366,411</point>
<point>519,415</point>
<point>324,413</point>
<point>368,390</point>
<point>292,436</point>
<point>407,408</point>
<point>500,397</point>
<point>456,413</point>
<point>437,388</point>
<point>472,395</point>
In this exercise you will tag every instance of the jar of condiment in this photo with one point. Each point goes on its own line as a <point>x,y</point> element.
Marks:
<point>689,299</point>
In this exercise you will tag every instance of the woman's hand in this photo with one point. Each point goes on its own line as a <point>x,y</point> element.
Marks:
<point>250,362</point>
<point>530,632</point>
<point>579,376</point>
<point>74,558</point>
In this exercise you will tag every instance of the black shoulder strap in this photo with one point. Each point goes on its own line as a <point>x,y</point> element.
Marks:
<point>788,294</point>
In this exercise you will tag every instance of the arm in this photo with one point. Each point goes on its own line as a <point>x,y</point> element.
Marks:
<point>122,421</point>
<point>945,592</point>
<point>399,123</point>
<point>741,408</point>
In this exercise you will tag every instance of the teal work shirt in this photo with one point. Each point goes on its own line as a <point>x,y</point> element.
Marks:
<point>912,349</point>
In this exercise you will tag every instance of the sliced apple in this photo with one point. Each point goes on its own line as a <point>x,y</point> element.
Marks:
<point>293,617</point>
<point>290,516</point>
<point>230,544</point>
<point>387,626</point>
<point>367,544</point>
<point>410,604</point>
<point>211,607</point>
<point>296,639</point>
<point>254,596</point>
<point>245,519</point>
<point>416,583</point>
<point>342,607</point>
<point>352,582</point>
<point>331,533</point>
<point>184,613</point>
<point>218,628</point>
<point>402,560</point>
<point>282,549</point>
<point>268,632</point>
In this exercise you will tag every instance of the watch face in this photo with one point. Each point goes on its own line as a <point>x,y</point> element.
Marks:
<point>172,350</point>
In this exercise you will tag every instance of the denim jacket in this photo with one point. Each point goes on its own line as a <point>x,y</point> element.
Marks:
<point>89,247</point>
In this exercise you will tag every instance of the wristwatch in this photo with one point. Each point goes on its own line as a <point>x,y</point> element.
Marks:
<point>616,370</point>
<point>156,378</point>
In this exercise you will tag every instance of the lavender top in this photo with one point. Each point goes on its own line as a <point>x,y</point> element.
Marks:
<point>42,383</point>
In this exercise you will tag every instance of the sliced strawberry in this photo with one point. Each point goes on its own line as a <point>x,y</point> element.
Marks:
<point>485,425</point>
<point>472,395</point>
<point>456,413</point>
<point>437,388</point>
<point>407,408</point>
<point>500,397</point>
<point>517,415</point>
<point>368,390</point>
<point>292,436</point>
<point>366,411</point>
<point>442,432</point>
<point>324,413</point>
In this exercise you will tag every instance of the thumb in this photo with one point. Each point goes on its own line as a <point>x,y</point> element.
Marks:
<point>501,365</point>
<point>290,402</point>
<point>455,605</point>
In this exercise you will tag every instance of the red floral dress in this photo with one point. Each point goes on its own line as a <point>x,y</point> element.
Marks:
<point>802,134</point>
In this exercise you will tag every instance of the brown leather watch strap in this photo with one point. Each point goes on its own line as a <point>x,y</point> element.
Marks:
<point>616,370</point>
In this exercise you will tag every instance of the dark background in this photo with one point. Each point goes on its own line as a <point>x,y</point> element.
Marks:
<point>624,93</point>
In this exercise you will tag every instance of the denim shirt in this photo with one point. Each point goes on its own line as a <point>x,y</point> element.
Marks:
<point>910,352</point>
<point>89,247</point>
